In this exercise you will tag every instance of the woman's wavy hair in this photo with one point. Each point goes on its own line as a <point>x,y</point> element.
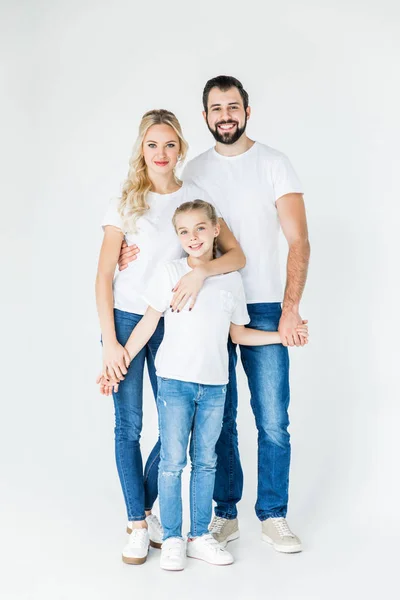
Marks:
<point>133,202</point>
<point>207,209</point>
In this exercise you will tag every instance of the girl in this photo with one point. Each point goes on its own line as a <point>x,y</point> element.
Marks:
<point>143,216</point>
<point>192,373</point>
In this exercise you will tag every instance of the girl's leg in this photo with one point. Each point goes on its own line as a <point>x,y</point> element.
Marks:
<point>128,423</point>
<point>176,406</point>
<point>151,468</point>
<point>206,430</point>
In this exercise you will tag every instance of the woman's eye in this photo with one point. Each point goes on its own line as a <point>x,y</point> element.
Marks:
<point>183,232</point>
<point>151,145</point>
<point>171,145</point>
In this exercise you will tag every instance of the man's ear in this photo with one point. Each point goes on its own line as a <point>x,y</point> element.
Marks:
<point>204,115</point>
<point>248,112</point>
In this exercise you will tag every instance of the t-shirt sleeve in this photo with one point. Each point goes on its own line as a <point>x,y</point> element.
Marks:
<point>284,178</point>
<point>112,216</point>
<point>158,290</point>
<point>240,316</point>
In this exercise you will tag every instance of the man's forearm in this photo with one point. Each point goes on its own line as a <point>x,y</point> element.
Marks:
<point>296,274</point>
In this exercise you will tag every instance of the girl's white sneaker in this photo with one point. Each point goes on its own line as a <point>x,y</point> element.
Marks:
<point>137,548</point>
<point>208,549</point>
<point>156,532</point>
<point>173,554</point>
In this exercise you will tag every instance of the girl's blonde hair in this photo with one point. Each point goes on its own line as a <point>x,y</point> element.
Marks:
<point>137,185</point>
<point>206,207</point>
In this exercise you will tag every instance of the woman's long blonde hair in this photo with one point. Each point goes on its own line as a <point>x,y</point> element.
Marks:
<point>137,184</point>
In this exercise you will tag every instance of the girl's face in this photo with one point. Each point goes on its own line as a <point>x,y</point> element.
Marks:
<point>161,149</point>
<point>196,233</point>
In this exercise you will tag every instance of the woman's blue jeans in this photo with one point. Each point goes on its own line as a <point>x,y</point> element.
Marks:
<point>139,489</point>
<point>188,408</point>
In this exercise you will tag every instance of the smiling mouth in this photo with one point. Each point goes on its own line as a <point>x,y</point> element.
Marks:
<point>161,163</point>
<point>226,127</point>
<point>196,246</point>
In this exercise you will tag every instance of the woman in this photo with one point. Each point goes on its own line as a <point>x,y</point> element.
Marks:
<point>143,216</point>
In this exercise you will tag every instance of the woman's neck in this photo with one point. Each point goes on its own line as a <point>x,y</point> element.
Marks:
<point>164,184</point>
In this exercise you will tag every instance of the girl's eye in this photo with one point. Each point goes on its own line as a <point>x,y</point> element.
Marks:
<point>200,228</point>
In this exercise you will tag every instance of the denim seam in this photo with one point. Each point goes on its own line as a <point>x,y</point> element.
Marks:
<point>194,499</point>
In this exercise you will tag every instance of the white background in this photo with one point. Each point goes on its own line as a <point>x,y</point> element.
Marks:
<point>323,85</point>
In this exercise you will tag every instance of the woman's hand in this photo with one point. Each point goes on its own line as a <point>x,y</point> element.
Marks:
<point>107,387</point>
<point>187,288</point>
<point>116,361</point>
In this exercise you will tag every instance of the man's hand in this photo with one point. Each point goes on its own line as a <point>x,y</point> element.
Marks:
<point>127,255</point>
<point>290,320</point>
<point>116,361</point>
<point>187,288</point>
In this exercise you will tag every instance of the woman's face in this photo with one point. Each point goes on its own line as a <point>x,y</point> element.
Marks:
<point>161,149</point>
<point>196,233</point>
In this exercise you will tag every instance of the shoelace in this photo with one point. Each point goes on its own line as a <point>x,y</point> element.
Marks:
<point>217,524</point>
<point>155,523</point>
<point>282,527</point>
<point>172,547</point>
<point>212,543</point>
<point>137,538</point>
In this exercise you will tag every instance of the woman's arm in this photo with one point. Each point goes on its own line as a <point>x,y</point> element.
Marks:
<point>143,332</point>
<point>115,357</point>
<point>232,259</point>
<point>254,337</point>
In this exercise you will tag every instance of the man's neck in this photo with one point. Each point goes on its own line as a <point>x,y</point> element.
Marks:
<point>240,147</point>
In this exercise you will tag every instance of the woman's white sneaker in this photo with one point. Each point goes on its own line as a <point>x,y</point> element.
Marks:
<point>275,531</point>
<point>137,548</point>
<point>208,549</point>
<point>173,554</point>
<point>156,532</point>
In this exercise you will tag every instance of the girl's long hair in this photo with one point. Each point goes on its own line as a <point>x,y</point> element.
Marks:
<point>137,184</point>
<point>207,209</point>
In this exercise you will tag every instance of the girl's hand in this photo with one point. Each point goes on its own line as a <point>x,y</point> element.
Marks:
<point>302,331</point>
<point>106,385</point>
<point>187,288</point>
<point>116,361</point>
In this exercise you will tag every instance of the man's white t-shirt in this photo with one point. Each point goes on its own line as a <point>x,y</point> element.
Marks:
<point>157,241</point>
<point>194,347</point>
<point>244,189</point>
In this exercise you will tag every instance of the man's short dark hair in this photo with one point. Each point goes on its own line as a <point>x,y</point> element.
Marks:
<point>224,83</point>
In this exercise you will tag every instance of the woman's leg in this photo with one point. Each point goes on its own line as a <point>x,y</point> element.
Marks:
<point>176,406</point>
<point>128,423</point>
<point>206,430</point>
<point>151,468</point>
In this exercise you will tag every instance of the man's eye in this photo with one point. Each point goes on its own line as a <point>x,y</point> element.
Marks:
<point>216,108</point>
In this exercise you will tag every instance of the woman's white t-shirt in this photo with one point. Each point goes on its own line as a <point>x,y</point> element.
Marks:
<point>157,241</point>
<point>195,344</point>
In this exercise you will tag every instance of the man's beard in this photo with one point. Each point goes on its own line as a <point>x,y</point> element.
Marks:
<point>228,137</point>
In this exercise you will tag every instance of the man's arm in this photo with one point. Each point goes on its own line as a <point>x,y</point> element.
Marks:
<point>292,217</point>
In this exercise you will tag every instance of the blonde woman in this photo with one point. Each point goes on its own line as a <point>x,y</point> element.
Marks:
<point>143,217</point>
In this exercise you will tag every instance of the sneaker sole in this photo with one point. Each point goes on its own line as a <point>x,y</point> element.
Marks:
<point>172,568</point>
<point>133,561</point>
<point>152,544</point>
<point>234,536</point>
<point>211,563</point>
<point>285,549</point>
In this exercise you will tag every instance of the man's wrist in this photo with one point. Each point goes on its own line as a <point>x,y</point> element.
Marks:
<point>290,308</point>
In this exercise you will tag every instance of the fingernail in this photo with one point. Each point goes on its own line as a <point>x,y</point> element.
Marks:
<point>190,309</point>
<point>170,305</point>
<point>172,310</point>
<point>177,310</point>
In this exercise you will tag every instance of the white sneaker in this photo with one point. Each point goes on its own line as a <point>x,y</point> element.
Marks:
<point>173,554</point>
<point>208,549</point>
<point>275,531</point>
<point>156,532</point>
<point>137,548</point>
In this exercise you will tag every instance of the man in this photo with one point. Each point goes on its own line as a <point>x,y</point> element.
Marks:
<point>256,190</point>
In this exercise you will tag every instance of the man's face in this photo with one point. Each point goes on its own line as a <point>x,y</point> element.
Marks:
<point>226,117</point>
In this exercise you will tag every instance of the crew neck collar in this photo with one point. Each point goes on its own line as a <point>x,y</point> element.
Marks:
<point>237,156</point>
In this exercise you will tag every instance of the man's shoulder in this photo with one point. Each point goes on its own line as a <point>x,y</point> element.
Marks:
<point>269,153</point>
<point>198,161</point>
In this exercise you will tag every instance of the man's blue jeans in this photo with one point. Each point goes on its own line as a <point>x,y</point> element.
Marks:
<point>185,408</point>
<point>140,490</point>
<point>267,370</point>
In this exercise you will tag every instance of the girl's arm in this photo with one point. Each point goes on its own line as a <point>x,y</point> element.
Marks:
<point>142,332</point>
<point>115,357</point>
<point>232,259</point>
<point>246,336</point>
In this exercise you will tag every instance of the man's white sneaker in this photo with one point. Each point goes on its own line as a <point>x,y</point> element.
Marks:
<point>224,530</point>
<point>156,532</point>
<point>173,554</point>
<point>137,548</point>
<point>275,531</point>
<point>208,549</point>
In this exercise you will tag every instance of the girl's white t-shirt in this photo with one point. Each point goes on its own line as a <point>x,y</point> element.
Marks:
<point>157,241</point>
<point>244,189</point>
<point>195,344</point>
